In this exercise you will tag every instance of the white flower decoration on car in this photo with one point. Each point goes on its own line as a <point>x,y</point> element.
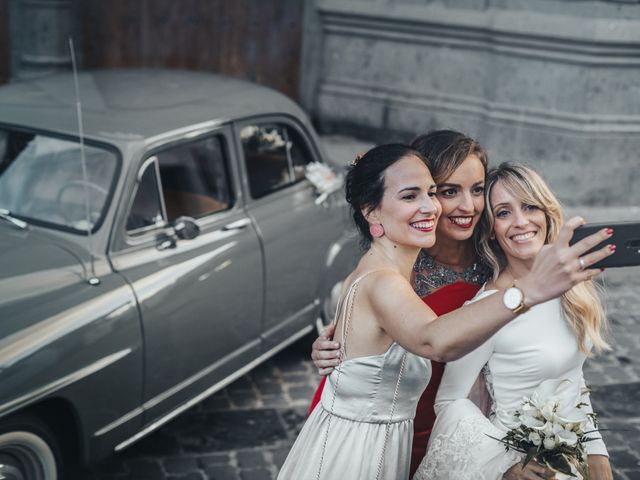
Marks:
<point>324,179</point>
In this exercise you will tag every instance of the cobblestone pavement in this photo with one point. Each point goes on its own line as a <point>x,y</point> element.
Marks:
<point>245,431</point>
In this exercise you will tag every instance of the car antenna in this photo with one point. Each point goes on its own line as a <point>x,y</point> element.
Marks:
<point>93,279</point>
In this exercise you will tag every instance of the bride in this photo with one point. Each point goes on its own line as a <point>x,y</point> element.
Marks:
<point>363,427</point>
<point>550,341</point>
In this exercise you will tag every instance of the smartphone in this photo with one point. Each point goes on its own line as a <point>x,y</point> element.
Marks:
<point>626,237</point>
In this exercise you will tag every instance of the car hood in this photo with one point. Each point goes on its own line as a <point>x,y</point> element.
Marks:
<point>32,263</point>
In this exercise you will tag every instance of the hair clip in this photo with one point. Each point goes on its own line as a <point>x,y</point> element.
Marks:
<point>356,160</point>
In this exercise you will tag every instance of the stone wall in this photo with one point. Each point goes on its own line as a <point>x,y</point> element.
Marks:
<point>554,83</point>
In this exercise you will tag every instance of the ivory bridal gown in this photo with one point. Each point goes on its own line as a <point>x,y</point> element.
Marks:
<point>539,345</point>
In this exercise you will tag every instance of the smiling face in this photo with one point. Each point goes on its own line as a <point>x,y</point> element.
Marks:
<point>519,228</point>
<point>462,198</point>
<point>409,209</point>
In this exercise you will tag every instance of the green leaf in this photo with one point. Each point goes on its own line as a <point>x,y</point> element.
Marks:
<point>509,446</point>
<point>531,453</point>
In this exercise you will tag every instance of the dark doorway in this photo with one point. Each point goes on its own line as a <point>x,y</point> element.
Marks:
<point>258,40</point>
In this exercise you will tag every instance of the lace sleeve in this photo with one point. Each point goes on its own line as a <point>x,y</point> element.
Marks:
<point>461,447</point>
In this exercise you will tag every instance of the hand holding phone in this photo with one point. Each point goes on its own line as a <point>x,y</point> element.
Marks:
<point>626,238</point>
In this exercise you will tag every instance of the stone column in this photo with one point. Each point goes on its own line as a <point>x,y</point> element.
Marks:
<point>40,30</point>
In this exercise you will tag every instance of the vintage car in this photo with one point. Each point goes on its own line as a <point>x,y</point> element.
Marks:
<point>150,253</point>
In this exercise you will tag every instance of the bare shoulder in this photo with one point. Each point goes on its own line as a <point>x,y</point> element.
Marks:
<point>382,280</point>
<point>387,288</point>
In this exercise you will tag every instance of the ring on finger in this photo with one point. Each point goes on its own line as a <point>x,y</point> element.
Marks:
<point>582,264</point>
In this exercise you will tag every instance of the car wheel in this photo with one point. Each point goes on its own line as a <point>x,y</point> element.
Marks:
<point>28,450</point>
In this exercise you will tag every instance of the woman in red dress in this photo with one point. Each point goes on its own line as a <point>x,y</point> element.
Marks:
<point>449,273</point>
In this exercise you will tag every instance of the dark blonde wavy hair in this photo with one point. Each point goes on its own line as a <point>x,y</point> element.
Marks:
<point>581,306</point>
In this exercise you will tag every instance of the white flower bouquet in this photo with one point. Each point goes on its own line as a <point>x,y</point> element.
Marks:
<point>551,428</point>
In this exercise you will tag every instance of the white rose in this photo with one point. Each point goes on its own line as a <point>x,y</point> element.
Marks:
<point>549,443</point>
<point>535,438</point>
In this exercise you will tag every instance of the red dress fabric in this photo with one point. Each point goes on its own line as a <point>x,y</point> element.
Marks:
<point>442,301</point>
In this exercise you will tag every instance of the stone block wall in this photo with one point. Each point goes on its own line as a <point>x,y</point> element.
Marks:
<point>554,83</point>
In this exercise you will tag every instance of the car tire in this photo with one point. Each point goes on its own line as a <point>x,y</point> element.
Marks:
<point>28,450</point>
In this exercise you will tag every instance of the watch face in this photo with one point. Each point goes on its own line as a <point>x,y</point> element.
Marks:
<point>512,298</point>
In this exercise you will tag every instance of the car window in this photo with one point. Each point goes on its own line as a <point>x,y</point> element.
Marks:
<point>146,208</point>
<point>275,156</point>
<point>42,180</point>
<point>195,178</point>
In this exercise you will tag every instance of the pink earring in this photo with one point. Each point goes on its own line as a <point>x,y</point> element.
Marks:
<point>376,230</point>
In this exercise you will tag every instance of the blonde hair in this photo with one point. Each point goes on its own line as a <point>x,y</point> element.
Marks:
<point>581,306</point>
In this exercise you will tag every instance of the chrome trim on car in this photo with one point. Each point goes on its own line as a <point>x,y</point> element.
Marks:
<point>293,318</point>
<point>238,224</point>
<point>194,378</point>
<point>125,418</point>
<point>63,382</point>
<point>213,389</point>
<point>190,132</point>
<point>170,392</point>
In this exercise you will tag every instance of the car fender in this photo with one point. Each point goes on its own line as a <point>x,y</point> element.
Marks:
<point>81,343</point>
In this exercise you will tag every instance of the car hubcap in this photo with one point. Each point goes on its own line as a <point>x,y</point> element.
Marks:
<point>25,456</point>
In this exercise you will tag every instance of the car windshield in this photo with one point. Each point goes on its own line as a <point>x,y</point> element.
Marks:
<point>42,181</point>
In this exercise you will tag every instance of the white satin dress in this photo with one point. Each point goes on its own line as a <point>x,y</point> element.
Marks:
<point>362,428</point>
<point>538,345</point>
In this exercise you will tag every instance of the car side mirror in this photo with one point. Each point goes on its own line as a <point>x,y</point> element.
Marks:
<point>186,228</point>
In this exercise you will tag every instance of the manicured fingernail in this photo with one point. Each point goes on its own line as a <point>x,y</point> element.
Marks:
<point>609,231</point>
<point>602,269</point>
<point>335,345</point>
<point>612,248</point>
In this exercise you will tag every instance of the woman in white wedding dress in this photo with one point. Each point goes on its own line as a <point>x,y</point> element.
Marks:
<point>549,341</point>
<point>364,424</point>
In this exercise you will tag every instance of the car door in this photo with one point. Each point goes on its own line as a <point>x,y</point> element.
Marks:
<point>200,298</point>
<point>295,231</point>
